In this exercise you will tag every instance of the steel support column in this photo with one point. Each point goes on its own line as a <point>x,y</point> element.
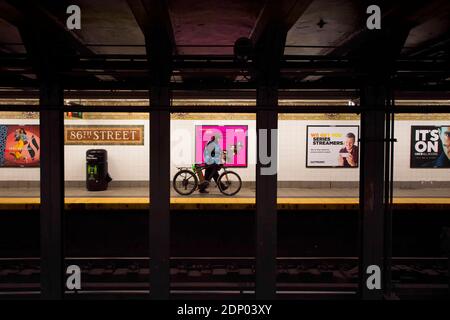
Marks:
<point>266,200</point>
<point>159,53</point>
<point>372,169</point>
<point>378,55</point>
<point>45,57</point>
<point>52,190</point>
<point>159,220</point>
<point>268,54</point>
<point>153,18</point>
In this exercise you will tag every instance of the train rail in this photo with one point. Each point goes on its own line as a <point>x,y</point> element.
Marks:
<point>298,277</point>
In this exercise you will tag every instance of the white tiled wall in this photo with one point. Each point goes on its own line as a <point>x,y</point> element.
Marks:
<point>131,163</point>
<point>125,163</point>
<point>292,154</point>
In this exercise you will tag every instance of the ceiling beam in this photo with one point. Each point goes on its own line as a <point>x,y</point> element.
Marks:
<point>399,17</point>
<point>142,84</point>
<point>10,13</point>
<point>153,16</point>
<point>396,14</point>
<point>312,94</point>
<point>3,49</point>
<point>431,48</point>
<point>284,13</point>
<point>26,14</point>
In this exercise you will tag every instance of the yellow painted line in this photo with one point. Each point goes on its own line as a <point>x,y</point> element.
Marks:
<point>219,203</point>
<point>20,200</point>
<point>106,201</point>
<point>317,200</point>
<point>421,200</point>
<point>230,200</point>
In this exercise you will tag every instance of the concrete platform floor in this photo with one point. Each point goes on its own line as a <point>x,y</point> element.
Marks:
<point>143,192</point>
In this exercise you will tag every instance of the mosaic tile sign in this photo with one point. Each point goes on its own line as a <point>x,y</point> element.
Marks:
<point>104,135</point>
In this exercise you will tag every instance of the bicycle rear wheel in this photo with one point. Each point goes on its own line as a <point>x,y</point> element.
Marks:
<point>229,183</point>
<point>185,182</point>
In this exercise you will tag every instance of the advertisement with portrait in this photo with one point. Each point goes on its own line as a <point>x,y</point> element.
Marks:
<point>332,146</point>
<point>430,146</point>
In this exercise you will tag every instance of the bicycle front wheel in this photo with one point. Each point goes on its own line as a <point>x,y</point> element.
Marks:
<point>229,183</point>
<point>185,182</point>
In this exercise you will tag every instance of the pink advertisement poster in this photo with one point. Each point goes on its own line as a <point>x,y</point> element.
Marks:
<point>232,140</point>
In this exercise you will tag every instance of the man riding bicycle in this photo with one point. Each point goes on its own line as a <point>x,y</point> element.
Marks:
<point>212,155</point>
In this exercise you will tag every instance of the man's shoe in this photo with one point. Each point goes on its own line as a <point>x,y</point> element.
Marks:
<point>203,191</point>
<point>203,185</point>
<point>223,187</point>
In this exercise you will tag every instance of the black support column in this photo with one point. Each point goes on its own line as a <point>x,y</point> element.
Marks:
<point>159,52</point>
<point>268,54</point>
<point>52,189</point>
<point>153,18</point>
<point>372,202</point>
<point>378,55</point>
<point>46,60</point>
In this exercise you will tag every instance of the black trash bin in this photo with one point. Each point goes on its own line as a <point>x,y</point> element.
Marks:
<point>97,176</point>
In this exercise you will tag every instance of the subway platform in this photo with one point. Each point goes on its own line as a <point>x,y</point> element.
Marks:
<point>288,198</point>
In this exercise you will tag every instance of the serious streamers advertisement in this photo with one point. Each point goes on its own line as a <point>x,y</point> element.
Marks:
<point>430,146</point>
<point>19,146</point>
<point>332,146</point>
<point>231,141</point>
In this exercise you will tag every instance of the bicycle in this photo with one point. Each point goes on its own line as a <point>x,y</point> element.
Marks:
<point>186,180</point>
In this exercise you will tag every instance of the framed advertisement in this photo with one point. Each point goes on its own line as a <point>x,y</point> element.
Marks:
<point>332,146</point>
<point>19,146</point>
<point>430,147</point>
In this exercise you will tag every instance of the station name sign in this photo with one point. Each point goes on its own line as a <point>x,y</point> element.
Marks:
<point>104,135</point>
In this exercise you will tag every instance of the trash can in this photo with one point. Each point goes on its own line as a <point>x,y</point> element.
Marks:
<point>97,176</point>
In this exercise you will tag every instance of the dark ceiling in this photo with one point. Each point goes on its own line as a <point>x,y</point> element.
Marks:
<point>321,36</point>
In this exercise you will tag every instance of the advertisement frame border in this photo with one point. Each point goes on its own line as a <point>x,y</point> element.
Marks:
<point>24,166</point>
<point>411,148</point>
<point>331,167</point>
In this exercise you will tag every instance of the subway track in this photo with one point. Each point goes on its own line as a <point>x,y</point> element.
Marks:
<point>213,254</point>
<point>221,277</point>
